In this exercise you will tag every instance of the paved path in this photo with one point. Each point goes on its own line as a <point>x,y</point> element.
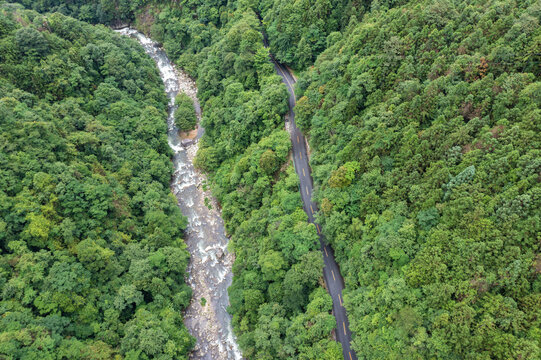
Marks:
<point>331,271</point>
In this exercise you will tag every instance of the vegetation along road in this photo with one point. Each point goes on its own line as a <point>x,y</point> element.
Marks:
<point>331,271</point>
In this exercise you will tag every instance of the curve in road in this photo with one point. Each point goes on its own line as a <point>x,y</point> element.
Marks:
<point>331,271</point>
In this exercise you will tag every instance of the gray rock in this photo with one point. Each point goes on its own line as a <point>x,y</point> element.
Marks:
<point>187,142</point>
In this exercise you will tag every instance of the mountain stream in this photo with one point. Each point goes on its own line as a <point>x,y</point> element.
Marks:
<point>210,263</point>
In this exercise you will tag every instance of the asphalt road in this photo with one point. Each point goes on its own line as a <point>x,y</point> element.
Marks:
<point>331,271</point>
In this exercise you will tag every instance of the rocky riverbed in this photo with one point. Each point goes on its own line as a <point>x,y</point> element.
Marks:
<point>210,265</point>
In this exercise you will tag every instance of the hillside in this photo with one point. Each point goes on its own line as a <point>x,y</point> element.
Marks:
<point>92,261</point>
<point>245,152</point>
<point>424,125</point>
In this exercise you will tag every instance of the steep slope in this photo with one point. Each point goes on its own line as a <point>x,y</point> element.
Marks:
<point>278,266</point>
<point>92,11</point>
<point>298,30</point>
<point>423,122</point>
<point>92,260</point>
<point>424,125</point>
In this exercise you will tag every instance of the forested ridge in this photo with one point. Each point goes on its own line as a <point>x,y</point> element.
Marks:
<point>92,260</point>
<point>91,11</point>
<point>424,125</point>
<point>423,119</point>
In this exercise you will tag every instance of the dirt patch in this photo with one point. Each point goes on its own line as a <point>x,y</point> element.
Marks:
<point>497,131</point>
<point>188,135</point>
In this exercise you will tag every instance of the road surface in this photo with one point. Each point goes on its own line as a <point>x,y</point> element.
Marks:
<point>331,271</point>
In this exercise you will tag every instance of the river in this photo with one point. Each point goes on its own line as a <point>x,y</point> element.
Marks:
<point>210,263</point>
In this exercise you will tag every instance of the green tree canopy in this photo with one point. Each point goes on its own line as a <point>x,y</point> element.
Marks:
<point>185,118</point>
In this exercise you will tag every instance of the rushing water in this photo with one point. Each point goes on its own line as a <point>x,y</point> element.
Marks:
<point>210,264</point>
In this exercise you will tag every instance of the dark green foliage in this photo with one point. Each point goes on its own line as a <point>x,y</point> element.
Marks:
<point>93,11</point>
<point>186,29</point>
<point>298,30</point>
<point>31,42</point>
<point>423,118</point>
<point>185,118</point>
<point>437,225</point>
<point>92,261</point>
<point>268,162</point>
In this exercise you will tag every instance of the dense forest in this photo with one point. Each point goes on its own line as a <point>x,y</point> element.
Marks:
<point>424,125</point>
<point>423,119</point>
<point>92,261</point>
<point>92,11</point>
<point>299,30</point>
<point>279,307</point>
<point>424,122</point>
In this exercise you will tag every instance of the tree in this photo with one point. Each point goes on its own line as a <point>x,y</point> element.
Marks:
<point>304,53</point>
<point>268,162</point>
<point>272,266</point>
<point>31,42</point>
<point>302,278</point>
<point>344,175</point>
<point>185,118</point>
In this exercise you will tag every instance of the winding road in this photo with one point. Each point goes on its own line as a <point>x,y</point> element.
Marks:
<point>331,271</point>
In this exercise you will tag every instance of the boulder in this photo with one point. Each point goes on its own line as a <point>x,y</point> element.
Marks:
<point>187,142</point>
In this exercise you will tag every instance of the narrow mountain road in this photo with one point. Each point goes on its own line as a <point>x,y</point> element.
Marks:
<point>331,271</point>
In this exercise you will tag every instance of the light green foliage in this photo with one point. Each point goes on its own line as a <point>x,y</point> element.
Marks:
<point>463,177</point>
<point>92,261</point>
<point>436,227</point>
<point>185,118</point>
<point>268,162</point>
<point>344,175</point>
